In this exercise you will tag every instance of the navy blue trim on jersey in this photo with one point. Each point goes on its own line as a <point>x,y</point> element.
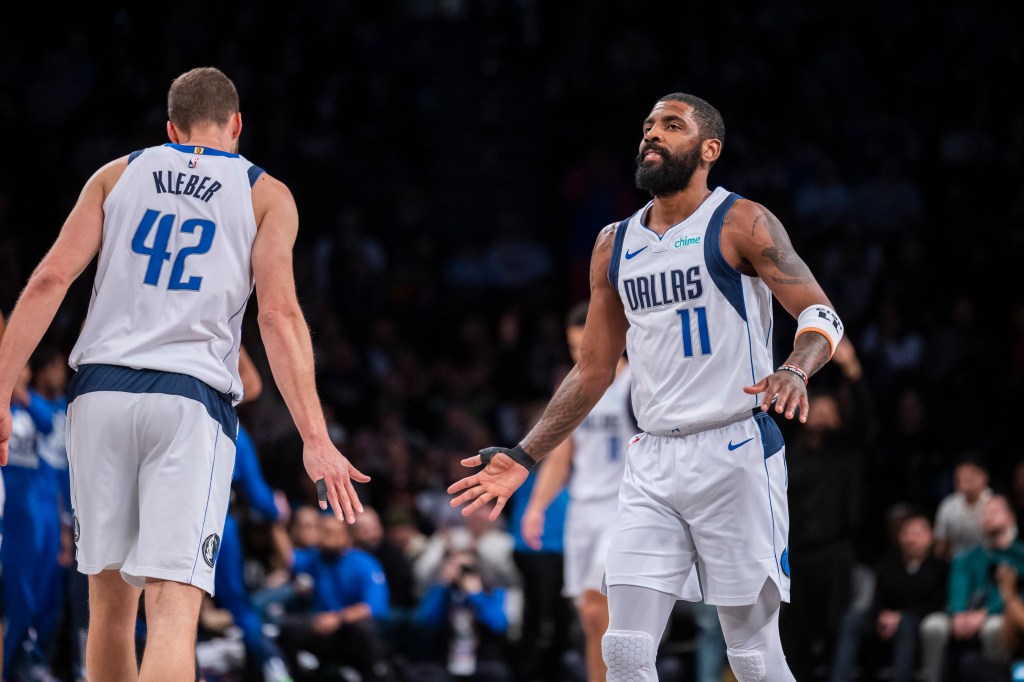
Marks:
<point>199,150</point>
<point>771,437</point>
<point>613,265</point>
<point>254,174</point>
<point>93,378</point>
<point>725,276</point>
<point>135,154</point>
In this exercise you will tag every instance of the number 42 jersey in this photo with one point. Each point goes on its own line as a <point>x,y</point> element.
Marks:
<point>699,330</point>
<point>174,270</point>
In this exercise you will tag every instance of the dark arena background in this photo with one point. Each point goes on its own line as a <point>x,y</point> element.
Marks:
<point>453,162</point>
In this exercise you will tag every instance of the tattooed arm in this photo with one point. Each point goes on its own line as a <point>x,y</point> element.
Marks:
<point>756,244</point>
<point>604,340</point>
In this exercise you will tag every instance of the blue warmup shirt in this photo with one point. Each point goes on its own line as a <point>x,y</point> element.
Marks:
<point>30,481</point>
<point>355,578</point>
<point>487,607</point>
<point>31,543</point>
<point>229,579</point>
<point>248,478</point>
<point>53,446</point>
<point>553,540</point>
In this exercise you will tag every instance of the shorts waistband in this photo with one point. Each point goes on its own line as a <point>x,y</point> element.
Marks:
<point>708,426</point>
<point>94,378</point>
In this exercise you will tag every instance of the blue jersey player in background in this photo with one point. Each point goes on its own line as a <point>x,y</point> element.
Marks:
<point>31,542</point>
<point>229,580</point>
<point>49,382</point>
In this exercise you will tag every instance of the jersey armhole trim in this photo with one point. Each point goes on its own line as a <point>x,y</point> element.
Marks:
<point>725,276</point>
<point>135,154</point>
<point>254,174</point>
<point>613,264</point>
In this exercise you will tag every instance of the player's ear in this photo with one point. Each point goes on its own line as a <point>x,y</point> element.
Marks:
<point>172,133</point>
<point>710,150</point>
<point>236,125</point>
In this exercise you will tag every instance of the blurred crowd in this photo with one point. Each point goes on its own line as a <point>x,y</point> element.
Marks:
<point>453,162</point>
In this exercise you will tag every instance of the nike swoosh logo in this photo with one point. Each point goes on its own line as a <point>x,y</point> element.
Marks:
<point>739,445</point>
<point>635,253</point>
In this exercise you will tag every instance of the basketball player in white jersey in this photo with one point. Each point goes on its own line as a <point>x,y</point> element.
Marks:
<point>187,231</point>
<point>686,285</point>
<point>591,461</point>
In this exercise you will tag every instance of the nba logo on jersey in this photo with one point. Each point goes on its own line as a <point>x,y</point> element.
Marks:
<point>193,162</point>
<point>634,439</point>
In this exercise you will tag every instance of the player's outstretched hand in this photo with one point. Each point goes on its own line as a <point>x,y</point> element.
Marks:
<point>499,479</point>
<point>787,390</point>
<point>532,527</point>
<point>333,475</point>
<point>5,432</point>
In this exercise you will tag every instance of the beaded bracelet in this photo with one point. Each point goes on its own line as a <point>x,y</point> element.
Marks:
<point>795,370</point>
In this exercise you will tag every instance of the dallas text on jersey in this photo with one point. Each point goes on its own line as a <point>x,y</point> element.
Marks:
<point>663,288</point>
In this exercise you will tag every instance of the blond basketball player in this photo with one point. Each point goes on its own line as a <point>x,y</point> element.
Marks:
<point>184,232</point>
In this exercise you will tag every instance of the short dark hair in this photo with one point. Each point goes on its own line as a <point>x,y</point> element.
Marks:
<point>577,316</point>
<point>709,120</point>
<point>913,515</point>
<point>203,95</point>
<point>971,458</point>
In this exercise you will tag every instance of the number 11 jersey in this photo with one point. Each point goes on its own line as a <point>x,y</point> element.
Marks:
<point>699,330</point>
<point>174,271</point>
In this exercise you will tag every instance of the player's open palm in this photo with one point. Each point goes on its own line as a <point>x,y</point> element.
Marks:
<point>5,432</point>
<point>499,479</point>
<point>333,475</point>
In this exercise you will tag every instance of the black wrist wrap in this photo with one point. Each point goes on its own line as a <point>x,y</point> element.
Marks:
<point>518,455</point>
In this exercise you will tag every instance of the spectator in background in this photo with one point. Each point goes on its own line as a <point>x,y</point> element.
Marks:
<point>1013,615</point>
<point>1017,490</point>
<point>368,535</point>
<point>958,525</point>
<point>824,464</point>
<point>231,592</point>
<point>349,593</point>
<point>975,603</point>
<point>487,538</point>
<point>468,622</point>
<point>404,535</point>
<point>547,615</point>
<point>910,584</point>
<point>305,528</point>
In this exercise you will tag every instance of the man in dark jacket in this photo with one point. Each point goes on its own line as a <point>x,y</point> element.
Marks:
<point>911,583</point>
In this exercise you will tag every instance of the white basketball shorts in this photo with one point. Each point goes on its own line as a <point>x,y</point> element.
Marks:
<point>716,498</point>
<point>588,533</point>
<point>151,456</point>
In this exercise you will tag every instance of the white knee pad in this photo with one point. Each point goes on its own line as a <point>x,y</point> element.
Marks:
<point>748,666</point>
<point>629,655</point>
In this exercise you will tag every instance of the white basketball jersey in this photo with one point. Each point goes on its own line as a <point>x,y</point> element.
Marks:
<point>599,444</point>
<point>174,270</point>
<point>699,330</point>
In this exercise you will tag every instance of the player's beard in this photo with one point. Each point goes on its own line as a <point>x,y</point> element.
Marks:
<point>671,175</point>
